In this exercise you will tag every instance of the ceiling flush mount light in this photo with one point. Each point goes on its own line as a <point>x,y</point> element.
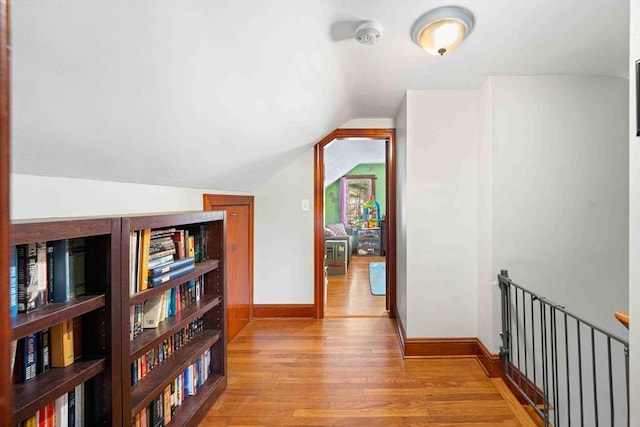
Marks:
<point>441,30</point>
<point>368,33</point>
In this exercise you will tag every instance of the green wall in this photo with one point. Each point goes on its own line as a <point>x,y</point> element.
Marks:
<point>331,209</point>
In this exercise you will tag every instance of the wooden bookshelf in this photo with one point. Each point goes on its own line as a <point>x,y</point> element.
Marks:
<point>98,310</point>
<point>211,308</point>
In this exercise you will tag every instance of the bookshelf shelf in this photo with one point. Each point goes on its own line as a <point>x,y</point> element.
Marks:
<point>196,406</point>
<point>154,383</point>
<point>96,327</point>
<point>201,268</point>
<point>29,323</point>
<point>197,234</point>
<point>102,317</point>
<point>31,396</point>
<point>152,337</point>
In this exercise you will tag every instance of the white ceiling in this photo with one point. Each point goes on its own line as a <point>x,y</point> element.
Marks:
<point>223,94</point>
<point>342,155</point>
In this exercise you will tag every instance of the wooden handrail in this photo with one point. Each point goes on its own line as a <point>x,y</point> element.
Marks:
<point>623,318</point>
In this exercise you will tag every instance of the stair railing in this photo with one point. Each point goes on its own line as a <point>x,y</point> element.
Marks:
<point>572,372</point>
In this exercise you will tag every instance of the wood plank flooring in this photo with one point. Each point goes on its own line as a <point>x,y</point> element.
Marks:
<point>349,372</point>
<point>349,295</point>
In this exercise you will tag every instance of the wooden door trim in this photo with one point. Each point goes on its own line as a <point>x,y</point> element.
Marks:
<point>318,212</point>
<point>210,201</point>
<point>6,390</point>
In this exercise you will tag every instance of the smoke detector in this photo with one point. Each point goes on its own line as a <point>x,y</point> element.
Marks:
<point>368,33</point>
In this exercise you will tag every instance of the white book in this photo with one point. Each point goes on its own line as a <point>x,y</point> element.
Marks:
<point>62,411</point>
<point>80,405</point>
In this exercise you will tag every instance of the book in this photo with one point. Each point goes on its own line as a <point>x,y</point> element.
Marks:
<point>50,273</point>
<point>133,262</point>
<point>61,406</point>
<point>71,407</point>
<point>79,412</point>
<point>143,261</point>
<point>164,278</point>
<point>26,359</point>
<point>32,421</point>
<point>62,290</point>
<point>162,254</point>
<point>166,399</point>
<point>61,344</point>
<point>157,411</point>
<point>77,338</point>
<point>43,361</point>
<point>76,266</point>
<point>163,269</point>
<point>31,276</point>
<point>167,259</point>
<point>153,314</point>
<point>13,282</point>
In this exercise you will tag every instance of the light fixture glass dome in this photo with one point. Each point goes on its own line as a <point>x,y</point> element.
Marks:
<point>441,30</point>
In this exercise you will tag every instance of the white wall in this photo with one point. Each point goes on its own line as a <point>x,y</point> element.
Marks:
<point>369,123</point>
<point>47,197</point>
<point>283,238</point>
<point>560,190</point>
<point>634,214</point>
<point>488,294</point>
<point>401,212</point>
<point>441,213</point>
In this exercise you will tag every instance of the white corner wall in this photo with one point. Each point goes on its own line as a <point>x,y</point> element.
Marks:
<point>401,212</point>
<point>283,236</point>
<point>634,214</point>
<point>49,197</point>
<point>440,213</point>
<point>559,178</point>
<point>488,295</point>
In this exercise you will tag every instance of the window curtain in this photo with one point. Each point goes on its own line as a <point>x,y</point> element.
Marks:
<point>342,202</point>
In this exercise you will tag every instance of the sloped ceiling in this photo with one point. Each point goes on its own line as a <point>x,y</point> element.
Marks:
<point>340,156</point>
<point>223,94</point>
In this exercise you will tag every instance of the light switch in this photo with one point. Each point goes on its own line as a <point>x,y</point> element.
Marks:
<point>305,204</point>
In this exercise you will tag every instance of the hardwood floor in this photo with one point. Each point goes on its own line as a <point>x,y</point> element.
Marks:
<point>349,372</point>
<point>349,295</point>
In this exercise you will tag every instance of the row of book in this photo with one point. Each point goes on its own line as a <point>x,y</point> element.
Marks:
<point>66,411</point>
<point>154,310</point>
<point>162,409</point>
<point>157,256</point>
<point>53,347</point>
<point>45,272</point>
<point>146,363</point>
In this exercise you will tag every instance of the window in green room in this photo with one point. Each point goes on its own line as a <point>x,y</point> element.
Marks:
<point>358,190</point>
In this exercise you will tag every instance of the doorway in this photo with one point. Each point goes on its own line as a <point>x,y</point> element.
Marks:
<point>381,232</point>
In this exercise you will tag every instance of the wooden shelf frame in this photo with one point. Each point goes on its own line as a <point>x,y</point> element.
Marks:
<point>48,386</point>
<point>150,338</point>
<point>53,313</point>
<point>149,387</point>
<point>201,269</point>
<point>212,307</point>
<point>103,272</point>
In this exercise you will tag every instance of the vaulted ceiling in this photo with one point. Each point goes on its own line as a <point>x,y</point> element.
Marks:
<point>223,94</point>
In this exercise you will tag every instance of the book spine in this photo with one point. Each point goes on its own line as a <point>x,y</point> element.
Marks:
<point>143,263</point>
<point>61,344</point>
<point>71,399</point>
<point>43,362</point>
<point>31,357</point>
<point>77,267</point>
<point>155,281</point>
<point>161,254</point>
<point>13,282</point>
<point>61,278</point>
<point>50,273</point>
<point>155,272</point>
